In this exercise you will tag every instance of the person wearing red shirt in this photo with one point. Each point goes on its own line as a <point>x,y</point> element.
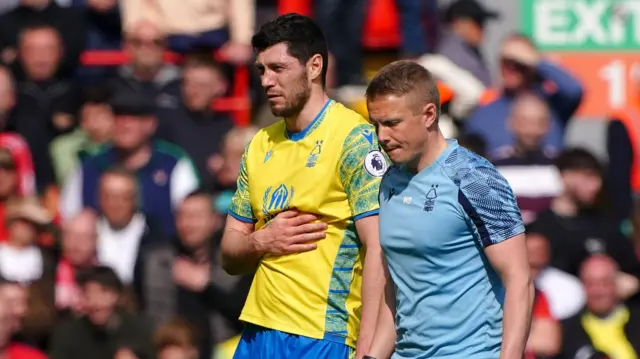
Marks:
<point>8,349</point>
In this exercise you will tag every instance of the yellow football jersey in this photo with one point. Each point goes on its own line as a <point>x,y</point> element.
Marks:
<point>333,169</point>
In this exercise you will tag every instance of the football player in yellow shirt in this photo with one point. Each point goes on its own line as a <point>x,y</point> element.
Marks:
<point>305,213</point>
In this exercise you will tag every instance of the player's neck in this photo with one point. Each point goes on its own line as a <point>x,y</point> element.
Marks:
<point>309,112</point>
<point>434,147</point>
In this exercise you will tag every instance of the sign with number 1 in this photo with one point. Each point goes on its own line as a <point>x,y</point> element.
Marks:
<point>597,40</point>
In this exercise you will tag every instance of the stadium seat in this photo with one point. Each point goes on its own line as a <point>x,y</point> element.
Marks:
<point>382,26</point>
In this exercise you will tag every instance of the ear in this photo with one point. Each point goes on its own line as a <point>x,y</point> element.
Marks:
<point>430,115</point>
<point>314,67</point>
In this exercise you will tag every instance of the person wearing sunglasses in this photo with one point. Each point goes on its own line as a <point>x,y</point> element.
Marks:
<point>524,70</point>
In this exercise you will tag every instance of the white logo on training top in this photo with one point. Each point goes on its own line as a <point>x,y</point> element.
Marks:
<point>375,164</point>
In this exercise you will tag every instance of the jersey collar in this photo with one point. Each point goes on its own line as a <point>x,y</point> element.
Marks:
<point>297,136</point>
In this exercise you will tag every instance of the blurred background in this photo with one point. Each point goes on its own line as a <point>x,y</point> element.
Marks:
<point>123,123</point>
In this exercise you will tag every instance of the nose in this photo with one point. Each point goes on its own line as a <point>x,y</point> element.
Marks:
<point>383,135</point>
<point>267,80</point>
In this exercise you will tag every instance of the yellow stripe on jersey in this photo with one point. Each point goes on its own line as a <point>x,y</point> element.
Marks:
<point>332,169</point>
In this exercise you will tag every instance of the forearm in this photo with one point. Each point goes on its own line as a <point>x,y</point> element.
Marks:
<point>239,255</point>
<point>241,21</point>
<point>544,339</point>
<point>372,288</point>
<point>518,304</point>
<point>384,339</point>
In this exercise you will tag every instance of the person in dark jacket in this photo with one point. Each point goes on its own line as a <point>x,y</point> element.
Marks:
<point>72,23</point>
<point>193,125</point>
<point>188,281</point>
<point>46,105</point>
<point>147,74</point>
<point>606,324</point>
<point>104,330</point>
<point>163,171</point>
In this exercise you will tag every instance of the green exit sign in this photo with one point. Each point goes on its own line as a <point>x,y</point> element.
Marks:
<point>582,25</point>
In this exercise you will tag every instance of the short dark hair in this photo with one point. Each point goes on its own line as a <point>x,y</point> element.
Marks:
<point>303,37</point>
<point>403,77</point>
<point>578,159</point>
<point>101,275</point>
<point>37,26</point>
<point>203,59</point>
<point>96,95</point>
<point>177,332</point>
<point>204,193</point>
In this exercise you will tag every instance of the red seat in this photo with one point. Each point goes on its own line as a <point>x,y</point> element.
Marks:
<point>382,25</point>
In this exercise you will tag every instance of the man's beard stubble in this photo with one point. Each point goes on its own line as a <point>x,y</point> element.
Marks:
<point>300,94</point>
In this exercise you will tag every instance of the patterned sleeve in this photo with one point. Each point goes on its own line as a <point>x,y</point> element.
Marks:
<point>361,169</point>
<point>490,203</point>
<point>240,207</point>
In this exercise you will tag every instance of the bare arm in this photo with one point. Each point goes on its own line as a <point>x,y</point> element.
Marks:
<point>372,282</point>
<point>239,256</point>
<point>289,232</point>
<point>545,337</point>
<point>509,259</point>
<point>384,338</point>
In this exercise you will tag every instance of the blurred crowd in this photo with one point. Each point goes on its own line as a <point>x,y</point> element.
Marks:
<point>115,180</point>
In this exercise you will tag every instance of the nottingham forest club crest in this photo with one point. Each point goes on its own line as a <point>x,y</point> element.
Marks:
<point>276,200</point>
<point>313,156</point>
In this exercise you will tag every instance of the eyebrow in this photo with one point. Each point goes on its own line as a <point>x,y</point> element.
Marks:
<point>388,120</point>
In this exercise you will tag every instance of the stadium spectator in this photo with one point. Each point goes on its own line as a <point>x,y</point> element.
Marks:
<point>605,324</point>
<point>147,73</point>
<point>105,330</point>
<point>8,348</point>
<point>46,106</point>
<point>461,38</point>
<point>78,252</point>
<point>176,339</point>
<point>15,143</point>
<point>226,165</point>
<point>71,24</point>
<point>545,336</point>
<point>164,172</point>
<point>21,259</point>
<point>342,23</point>
<point>623,136</point>
<point>122,230</point>
<point>195,287</point>
<point>8,188</point>
<point>95,130</point>
<point>418,26</point>
<point>104,32</point>
<point>564,293</point>
<point>527,160</point>
<point>523,69</point>
<point>576,225</point>
<point>197,24</point>
<point>193,125</point>
<point>635,227</point>
<point>14,295</point>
